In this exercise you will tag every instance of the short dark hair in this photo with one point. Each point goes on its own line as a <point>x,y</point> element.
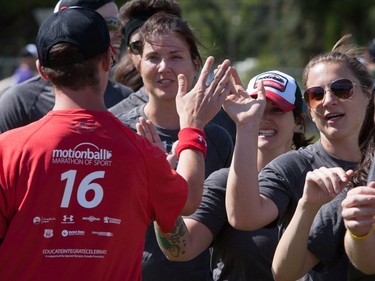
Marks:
<point>74,76</point>
<point>134,13</point>
<point>164,24</point>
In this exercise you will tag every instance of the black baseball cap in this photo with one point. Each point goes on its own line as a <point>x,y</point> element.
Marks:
<point>79,26</point>
<point>90,4</point>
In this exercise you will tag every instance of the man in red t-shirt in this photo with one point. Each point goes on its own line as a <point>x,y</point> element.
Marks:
<point>77,188</point>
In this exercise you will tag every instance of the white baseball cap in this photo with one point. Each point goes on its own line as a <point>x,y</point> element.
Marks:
<point>281,88</point>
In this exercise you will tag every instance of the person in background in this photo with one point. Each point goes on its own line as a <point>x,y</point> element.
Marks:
<point>369,56</point>
<point>338,88</point>
<point>25,70</point>
<point>168,47</point>
<point>242,255</point>
<point>126,74</point>
<point>358,208</point>
<point>31,100</point>
<point>358,213</point>
<point>133,15</point>
<point>109,10</point>
<point>86,196</point>
<point>325,228</point>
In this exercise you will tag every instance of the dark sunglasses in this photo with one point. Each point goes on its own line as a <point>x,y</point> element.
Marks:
<point>113,24</point>
<point>135,47</point>
<point>341,88</point>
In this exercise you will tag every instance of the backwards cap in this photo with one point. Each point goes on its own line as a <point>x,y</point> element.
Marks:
<point>81,27</point>
<point>89,4</point>
<point>281,89</point>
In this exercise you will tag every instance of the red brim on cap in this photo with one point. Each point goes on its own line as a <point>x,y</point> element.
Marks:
<point>280,102</point>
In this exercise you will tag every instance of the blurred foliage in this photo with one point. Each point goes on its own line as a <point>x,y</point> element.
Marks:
<point>281,34</point>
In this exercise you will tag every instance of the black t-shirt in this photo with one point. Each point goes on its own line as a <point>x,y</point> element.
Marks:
<point>140,97</point>
<point>283,179</point>
<point>236,255</point>
<point>219,143</point>
<point>155,265</point>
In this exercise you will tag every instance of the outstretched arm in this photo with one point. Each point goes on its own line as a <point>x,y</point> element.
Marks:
<point>358,211</point>
<point>187,240</point>
<point>246,208</point>
<point>195,109</point>
<point>292,258</point>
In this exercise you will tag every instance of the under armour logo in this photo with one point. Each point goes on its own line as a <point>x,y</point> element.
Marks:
<point>68,218</point>
<point>201,139</point>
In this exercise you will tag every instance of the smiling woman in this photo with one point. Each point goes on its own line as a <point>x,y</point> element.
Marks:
<point>165,52</point>
<point>302,181</point>
<point>283,121</point>
<point>167,49</point>
<point>242,255</point>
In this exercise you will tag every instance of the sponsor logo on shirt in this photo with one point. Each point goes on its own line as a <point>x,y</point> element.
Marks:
<point>67,219</point>
<point>74,253</point>
<point>85,153</point>
<point>91,219</point>
<point>66,233</point>
<point>42,220</point>
<point>103,233</point>
<point>48,233</point>
<point>111,220</point>
<point>84,125</point>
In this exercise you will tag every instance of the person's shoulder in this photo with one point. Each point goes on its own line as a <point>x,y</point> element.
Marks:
<point>303,153</point>
<point>293,160</point>
<point>115,93</point>
<point>5,84</point>
<point>220,175</point>
<point>135,99</point>
<point>116,86</point>
<point>16,136</point>
<point>29,89</point>
<point>311,148</point>
<point>131,117</point>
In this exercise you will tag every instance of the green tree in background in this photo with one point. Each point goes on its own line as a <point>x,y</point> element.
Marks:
<point>280,34</point>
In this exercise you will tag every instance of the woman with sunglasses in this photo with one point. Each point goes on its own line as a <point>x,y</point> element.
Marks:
<point>242,255</point>
<point>320,234</point>
<point>272,198</point>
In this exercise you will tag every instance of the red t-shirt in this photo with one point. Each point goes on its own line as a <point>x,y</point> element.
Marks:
<point>77,192</point>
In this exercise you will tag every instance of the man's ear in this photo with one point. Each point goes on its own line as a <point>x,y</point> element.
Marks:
<point>40,70</point>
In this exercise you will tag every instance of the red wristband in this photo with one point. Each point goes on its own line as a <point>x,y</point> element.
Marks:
<point>191,138</point>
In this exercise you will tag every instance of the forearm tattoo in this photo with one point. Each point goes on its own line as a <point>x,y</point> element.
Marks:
<point>173,244</point>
